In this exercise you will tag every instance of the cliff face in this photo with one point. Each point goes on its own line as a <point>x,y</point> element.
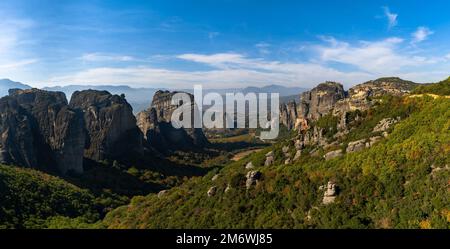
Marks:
<point>289,115</point>
<point>155,124</point>
<point>320,100</point>
<point>110,124</point>
<point>40,130</point>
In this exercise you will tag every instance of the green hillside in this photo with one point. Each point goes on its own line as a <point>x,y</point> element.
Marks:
<point>440,88</point>
<point>32,199</point>
<point>400,182</point>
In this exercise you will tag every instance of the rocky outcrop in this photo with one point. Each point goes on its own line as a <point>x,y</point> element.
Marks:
<point>330,194</point>
<point>212,191</point>
<point>320,100</point>
<point>249,165</point>
<point>155,124</point>
<point>270,158</point>
<point>39,130</point>
<point>252,178</point>
<point>382,86</point>
<point>385,124</point>
<point>110,124</point>
<point>332,154</point>
<point>288,115</point>
<point>356,146</point>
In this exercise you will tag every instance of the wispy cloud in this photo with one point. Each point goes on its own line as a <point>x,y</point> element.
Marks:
<point>263,47</point>
<point>12,35</point>
<point>375,57</point>
<point>100,57</point>
<point>391,17</point>
<point>421,34</point>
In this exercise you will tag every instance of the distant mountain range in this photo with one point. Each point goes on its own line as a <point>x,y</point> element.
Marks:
<point>140,98</point>
<point>6,84</point>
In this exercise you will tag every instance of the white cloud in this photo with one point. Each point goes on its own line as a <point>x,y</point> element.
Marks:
<point>99,57</point>
<point>421,34</point>
<point>228,70</point>
<point>375,57</point>
<point>391,17</point>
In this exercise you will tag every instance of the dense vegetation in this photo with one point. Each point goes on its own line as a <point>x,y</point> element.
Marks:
<point>29,197</point>
<point>400,182</point>
<point>441,88</point>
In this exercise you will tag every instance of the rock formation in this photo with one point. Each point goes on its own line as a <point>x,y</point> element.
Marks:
<point>155,124</point>
<point>39,130</point>
<point>252,178</point>
<point>356,146</point>
<point>330,193</point>
<point>332,154</point>
<point>288,115</point>
<point>110,124</point>
<point>320,100</point>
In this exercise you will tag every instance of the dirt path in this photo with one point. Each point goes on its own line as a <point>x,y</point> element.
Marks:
<point>238,156</point>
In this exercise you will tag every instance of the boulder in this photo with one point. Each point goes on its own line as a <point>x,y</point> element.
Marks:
<point>298,154</point>
<point>249,165</point>
<point>385,124</point>
<point>252,178</point>
<point>372,141</point>
<point>332,154</point>
<point>287,161</point>
<point>212,191</point>
<point>269,161</point>
<point>162,193</point>
<point>215,177</point>
<point>330,193</point>
<point>356,146</point>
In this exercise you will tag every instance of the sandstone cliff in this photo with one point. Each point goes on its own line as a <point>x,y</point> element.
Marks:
<point>39,130</point>
<point>155,124</point>
<point>110,124</point>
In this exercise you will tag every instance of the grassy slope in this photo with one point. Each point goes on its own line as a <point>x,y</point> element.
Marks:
<point>389,185</point>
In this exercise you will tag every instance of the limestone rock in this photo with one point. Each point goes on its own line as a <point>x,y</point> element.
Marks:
<point>252,178</point>
<point>287,161</point>
<point>269,161</point>
<point>332,154</point>
<point>385,124</point>
<point>212,191</point>
<point>162,193</point>
<point>215,177</point>
<point>356,146</point>
<point>372,141</point>
<point>330,193</point>
<point>249,165</point>
<point>298,154</point>
<point>228,188</point>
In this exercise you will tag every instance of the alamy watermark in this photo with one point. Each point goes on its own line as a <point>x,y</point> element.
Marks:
<point>238,108</point>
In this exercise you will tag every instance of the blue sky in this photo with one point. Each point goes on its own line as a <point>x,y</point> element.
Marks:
<point>222,43</point>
